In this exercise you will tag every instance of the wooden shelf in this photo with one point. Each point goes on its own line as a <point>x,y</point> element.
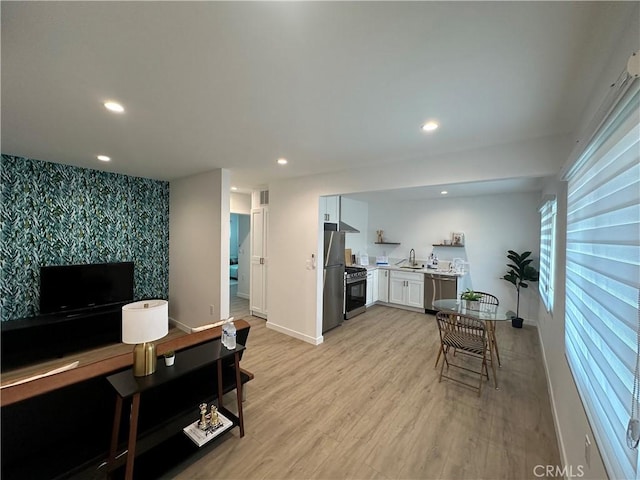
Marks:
<point>443,245</point>
<point>387,243</point>
<point>173,385</point>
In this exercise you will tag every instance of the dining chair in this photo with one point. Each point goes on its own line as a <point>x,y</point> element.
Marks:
<point>489,299</point>
<point>466,335</point>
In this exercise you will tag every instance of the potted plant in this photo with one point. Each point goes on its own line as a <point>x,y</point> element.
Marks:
<point>520,272</point>
<point>169,358</point>
<point>472,299</point>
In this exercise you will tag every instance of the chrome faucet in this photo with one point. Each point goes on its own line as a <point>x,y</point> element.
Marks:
<point>412,257</point>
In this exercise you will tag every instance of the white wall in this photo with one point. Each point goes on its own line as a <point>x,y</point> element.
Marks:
<point>233,235</point>
<point>356,214</point>
<point>295,293</point>
<point>492,224</point>
<point>240,203</point>
<point>571,421</point>
<point>199,248</point>
<point>244,256</point>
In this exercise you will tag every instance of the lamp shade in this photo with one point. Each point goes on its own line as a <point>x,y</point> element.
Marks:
<point>145,321</point>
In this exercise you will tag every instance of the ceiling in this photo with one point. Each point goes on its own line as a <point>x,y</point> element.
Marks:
<point>327,85</point>
<point>471,189</point>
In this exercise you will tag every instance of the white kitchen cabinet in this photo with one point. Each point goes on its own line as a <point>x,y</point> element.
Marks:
<point>372,287</point>
<point>407,288</point>
<point>330,209</point>
<point>415,293</point>
<point>259,261</point>
<point>375,285</point>
<point>383,285</point>
<point>396,290</point>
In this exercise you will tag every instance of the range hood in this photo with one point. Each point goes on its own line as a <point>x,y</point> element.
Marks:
<point>345,227</point>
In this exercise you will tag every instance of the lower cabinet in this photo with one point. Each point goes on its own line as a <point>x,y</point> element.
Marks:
<point>407,288</point>
<point>383,285</point>
<point>370,287</point>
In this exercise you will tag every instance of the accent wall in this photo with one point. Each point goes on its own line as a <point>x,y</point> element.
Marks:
<point>53,214</point>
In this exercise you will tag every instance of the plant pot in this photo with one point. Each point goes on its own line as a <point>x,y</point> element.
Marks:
<point>516,322</point>
<point>472,304</point>
<point>168,361</point>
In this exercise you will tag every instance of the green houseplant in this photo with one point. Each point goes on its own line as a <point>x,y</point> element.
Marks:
<point>470,295</point>
<point>169,358</point>
<point>520,272</point>
<point>472,299</point>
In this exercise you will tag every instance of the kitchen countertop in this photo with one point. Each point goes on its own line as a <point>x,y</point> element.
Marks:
<point>416,270</point>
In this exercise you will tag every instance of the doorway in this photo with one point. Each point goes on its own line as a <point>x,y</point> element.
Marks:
<point>239,257</point>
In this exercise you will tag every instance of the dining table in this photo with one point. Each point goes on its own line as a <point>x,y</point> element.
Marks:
<point>487,313</point>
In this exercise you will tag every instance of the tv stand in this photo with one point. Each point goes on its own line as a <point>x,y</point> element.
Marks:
<point>44,337</point>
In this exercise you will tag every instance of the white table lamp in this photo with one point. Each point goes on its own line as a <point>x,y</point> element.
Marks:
<point>142,323</point>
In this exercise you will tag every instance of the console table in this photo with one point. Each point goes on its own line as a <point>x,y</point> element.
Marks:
<point>172,407</point>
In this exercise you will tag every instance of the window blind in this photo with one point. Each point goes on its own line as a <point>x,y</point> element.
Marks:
<point>547,242</point>
<point>602,279</point>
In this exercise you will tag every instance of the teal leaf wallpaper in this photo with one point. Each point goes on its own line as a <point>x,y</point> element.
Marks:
<point>53,214</point>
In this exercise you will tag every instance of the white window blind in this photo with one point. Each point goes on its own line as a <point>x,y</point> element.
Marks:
<point>602,279</point>
<point>547,254</point>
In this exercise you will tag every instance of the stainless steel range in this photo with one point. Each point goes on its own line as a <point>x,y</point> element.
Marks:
<point>355,291</point>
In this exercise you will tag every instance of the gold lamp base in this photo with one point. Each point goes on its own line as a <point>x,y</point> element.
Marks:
<point>144,359</point>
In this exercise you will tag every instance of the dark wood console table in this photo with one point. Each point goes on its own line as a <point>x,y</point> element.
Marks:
<point>179,409</point>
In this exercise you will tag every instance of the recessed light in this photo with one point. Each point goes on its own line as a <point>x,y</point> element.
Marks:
<point>234,188</point>
<point>114,107</point>
<point>104,158</point>
<point>430,126</point>
<point>443,192</point>
<point>282,161</point>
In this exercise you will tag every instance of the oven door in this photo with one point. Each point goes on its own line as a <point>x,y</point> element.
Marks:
<point>355,297</point>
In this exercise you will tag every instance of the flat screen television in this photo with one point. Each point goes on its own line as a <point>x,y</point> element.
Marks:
<point>67,288</point>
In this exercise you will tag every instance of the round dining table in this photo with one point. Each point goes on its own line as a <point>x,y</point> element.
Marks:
<point>481,311</point>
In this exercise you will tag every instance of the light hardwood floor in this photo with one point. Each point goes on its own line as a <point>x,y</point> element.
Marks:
<point>367,404</point>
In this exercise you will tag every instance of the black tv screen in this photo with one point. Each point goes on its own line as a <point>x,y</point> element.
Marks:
<point>67,288</point>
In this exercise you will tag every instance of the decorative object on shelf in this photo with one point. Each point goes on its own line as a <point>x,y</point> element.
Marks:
<point>202,424</point>
<point>143,323</point>
<point>169,358</point>
<point>471,299</point>
<point>457,239</point>
<point>200,437</point>
<point>520,272</point>
<point>380,234</point>
<point>214,419</point>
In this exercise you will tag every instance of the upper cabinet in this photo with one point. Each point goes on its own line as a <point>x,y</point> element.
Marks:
<point>330,209</point>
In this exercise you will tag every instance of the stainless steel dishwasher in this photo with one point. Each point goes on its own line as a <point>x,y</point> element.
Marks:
<point>437,287</point>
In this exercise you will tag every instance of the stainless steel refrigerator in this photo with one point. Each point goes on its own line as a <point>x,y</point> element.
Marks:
<point>333,279</point>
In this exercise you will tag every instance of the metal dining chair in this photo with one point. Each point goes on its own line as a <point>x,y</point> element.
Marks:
<point>466,335</point>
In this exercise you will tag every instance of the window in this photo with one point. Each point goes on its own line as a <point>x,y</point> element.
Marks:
<point>603,275</point>
<point>547,251</point>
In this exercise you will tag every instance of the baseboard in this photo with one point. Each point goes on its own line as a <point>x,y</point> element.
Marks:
<point>554,412</point>
<point>294,334</point>
<point>180,325</point>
